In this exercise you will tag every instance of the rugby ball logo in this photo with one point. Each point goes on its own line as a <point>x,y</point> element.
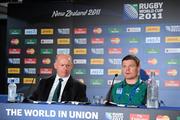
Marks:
<point>131,11</point>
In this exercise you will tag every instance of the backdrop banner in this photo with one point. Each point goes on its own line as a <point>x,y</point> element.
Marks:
<point>98,36</point>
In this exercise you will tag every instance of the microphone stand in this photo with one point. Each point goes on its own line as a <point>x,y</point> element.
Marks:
<point>108,97</point>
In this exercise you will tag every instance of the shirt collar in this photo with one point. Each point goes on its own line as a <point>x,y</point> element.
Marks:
<point>137,82</point>
<point>64,78</point>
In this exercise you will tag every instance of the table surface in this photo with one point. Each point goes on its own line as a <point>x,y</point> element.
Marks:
<point>44,111</point>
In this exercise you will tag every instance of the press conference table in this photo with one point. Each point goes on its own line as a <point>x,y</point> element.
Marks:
<point>44,111</point>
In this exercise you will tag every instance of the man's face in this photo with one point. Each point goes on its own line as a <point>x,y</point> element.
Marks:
<point>130,69</point>
<point>63,66</point>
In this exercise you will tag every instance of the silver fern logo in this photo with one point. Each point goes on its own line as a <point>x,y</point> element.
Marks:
<point>131,11</point>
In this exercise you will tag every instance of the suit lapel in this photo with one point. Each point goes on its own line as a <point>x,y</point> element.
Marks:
<point>48,86</point>
<point>67,93</point>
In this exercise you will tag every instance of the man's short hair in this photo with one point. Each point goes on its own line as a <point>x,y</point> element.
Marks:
<point>132,57</point>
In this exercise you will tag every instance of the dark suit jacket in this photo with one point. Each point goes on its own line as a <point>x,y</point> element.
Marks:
<point>73,91</point>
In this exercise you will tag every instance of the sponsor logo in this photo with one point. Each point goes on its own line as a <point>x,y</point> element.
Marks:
<point>97,30</point>
<point>46,51</point>
<point>152,29</point>
<point>157,72</point>
<point>174,39</point>
<point>133,40</point>
<point>96,61</point>
<point>97,41</point>
<point>14,41</point>
<point>115,50</point>
<point>14,51</point>
<point>14,60</point>
<point>46,70</point>
<point>133,51</point>
<point>131,11</point>
<point>162,117</point>
<point>63,41</point>
<point>152,50</point>
<point>77,71</point>
<point>80,31</point>
<point>29,70</point>
<point>152,61</point>
<point>115,30</point>
<point>80,51</point>
<point>13,70</point>
<point>97,50</point>
<point>31,41</point>
<point>15,31</point>
<point>153,39</point>
<point>30,60</point>
<point>114,71</point>
<point>80,61</point>
<point>115,61</point>
<point>173,28</point>
<point>46,61</point>
<point>173,61</point>
<point>30,51</point>
<point>30,31</point>
<point>80,40</point>
<point>172,72</point>
<point>29,80</point>
<point>146,11</point>
<point>16,80</point>
<point>172,50</point>
<point>139,116</point>
<point>115,40</point>
<point>63,31</point>
<point>96,71</point>
<point>47,31</point>
<point>109,82</point>
<point>114,116</point>
<point>172,83</point>
<point>63,51</point>
<point>96,81</point>
<point>47,41</point>
<point>133,29</point>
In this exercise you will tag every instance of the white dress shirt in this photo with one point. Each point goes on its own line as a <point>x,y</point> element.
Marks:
<point>56,81</point>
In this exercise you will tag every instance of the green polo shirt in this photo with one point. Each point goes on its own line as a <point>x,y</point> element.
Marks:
<point>123,93</point>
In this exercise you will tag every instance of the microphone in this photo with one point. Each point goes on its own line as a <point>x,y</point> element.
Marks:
<point>161,103</point>
<point>108,97</point>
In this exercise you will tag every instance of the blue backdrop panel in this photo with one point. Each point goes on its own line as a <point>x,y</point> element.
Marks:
<point>98,36</point>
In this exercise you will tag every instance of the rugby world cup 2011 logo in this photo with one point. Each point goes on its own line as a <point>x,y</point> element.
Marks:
<point>131,11</point>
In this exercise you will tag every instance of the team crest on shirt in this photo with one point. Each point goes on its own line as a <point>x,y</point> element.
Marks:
<point>119,91</point>
<point>137,90</point>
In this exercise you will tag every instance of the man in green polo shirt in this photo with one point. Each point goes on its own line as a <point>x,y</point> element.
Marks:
<point>132,90</point>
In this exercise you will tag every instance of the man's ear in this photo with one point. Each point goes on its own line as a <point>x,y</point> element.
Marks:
<point>55,65</point>
<point>139,69</point>
<point>72,65</point>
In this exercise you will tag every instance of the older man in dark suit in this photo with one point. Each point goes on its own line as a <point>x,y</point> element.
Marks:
<point>60,87</point>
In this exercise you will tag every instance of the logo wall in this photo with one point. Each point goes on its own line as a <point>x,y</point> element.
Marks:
<point>97,49</point>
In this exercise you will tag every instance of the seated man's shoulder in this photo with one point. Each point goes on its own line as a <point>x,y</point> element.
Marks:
<point>118,83</point>
<point>78,82</point>
<point>144,82</point>
<point>47,78</point>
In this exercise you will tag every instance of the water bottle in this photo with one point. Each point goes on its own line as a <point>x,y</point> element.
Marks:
<point>12,91</point>
<point>152,92</point>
